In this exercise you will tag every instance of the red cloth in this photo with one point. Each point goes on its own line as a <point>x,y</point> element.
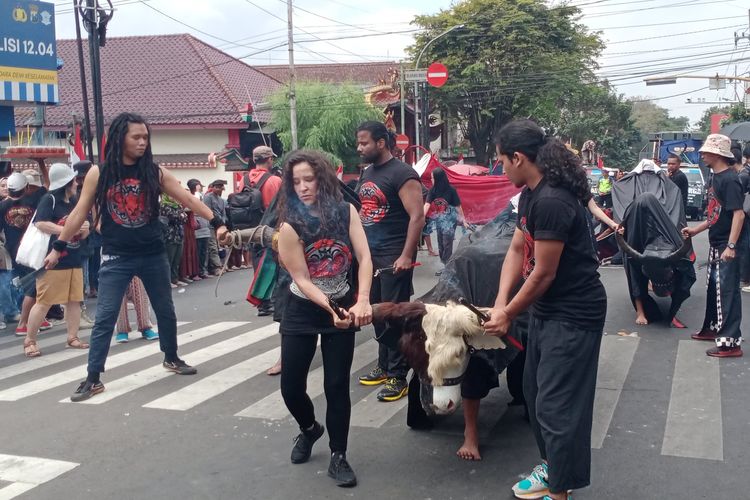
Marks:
<point>483,197</point>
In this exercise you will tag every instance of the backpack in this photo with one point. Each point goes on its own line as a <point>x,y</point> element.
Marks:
<point>245,209</point>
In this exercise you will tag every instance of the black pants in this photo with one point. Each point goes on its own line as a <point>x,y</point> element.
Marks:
<point>559,381</point>
<point>445,238</point>
<point>389,287</point>
<point>297,351</point>
<point>95,261</point>
<point>174,255</point>
<point>724,298</point>
<point>201,245</point>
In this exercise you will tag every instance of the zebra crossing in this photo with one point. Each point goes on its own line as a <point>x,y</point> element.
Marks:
<point>135,368</point>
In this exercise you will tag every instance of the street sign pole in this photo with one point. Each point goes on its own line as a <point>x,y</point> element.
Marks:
<point>402,92</point>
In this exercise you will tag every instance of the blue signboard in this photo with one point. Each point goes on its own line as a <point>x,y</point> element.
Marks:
<point>28,52</point>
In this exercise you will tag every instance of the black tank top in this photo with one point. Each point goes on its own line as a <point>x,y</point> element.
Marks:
<point>329,261</point>
<point>127,227</point>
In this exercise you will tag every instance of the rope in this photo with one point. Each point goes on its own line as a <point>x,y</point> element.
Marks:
<point>235,242</point>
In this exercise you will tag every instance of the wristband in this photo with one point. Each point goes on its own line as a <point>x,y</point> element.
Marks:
<point>217,222</point>
<point>59,245</point>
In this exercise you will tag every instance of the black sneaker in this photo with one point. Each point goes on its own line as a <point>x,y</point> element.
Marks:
<point>179,367</point>
<point>85,390</point>
<point>375,377</point>
<point>265,312</point>
<point>304,442</point>
<point>341,471</point>
<point>395,389</point>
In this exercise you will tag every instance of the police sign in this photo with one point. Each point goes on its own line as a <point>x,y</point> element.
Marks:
<point>28,52</point>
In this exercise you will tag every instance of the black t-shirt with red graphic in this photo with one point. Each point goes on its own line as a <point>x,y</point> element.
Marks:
<point>724,197</point>
<point>329,258</point>
<point>127,227</point>
<point>576,295</point>
<point>15,216</point>
<point>57,212</point>
<point>443,206</point>
<point>383,216</point>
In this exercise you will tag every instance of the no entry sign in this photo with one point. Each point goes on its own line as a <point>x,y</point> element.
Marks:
<point>437,74</point>
<point>402,141</point>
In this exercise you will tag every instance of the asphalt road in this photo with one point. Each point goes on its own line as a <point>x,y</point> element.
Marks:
<point>670,422</point>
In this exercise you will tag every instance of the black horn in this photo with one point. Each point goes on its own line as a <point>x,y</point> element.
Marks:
<point>681,252</point>
<point>627,248</point>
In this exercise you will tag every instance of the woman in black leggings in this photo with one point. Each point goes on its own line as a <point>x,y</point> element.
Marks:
<point>319,235</point>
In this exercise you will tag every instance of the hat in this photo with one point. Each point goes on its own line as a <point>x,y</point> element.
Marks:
<point>35,179</point>
<point>17,181</point>
<point>60,175</point>
<point>218,182</point>
<point>263,152</point>
<point>82,168</point>
<point>717,144</point>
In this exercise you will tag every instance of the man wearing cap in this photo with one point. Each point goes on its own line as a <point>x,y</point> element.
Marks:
<point>218,206</point>
<point>263,158</point>
<point>16,212</point>
<point>726,239</point>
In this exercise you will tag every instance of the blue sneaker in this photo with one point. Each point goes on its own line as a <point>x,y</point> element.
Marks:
<point>534,486</point>
<point>121,338</point>
<point>149,334</point>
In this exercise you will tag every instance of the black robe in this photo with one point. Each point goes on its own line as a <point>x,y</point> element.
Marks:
<point>650,208</point>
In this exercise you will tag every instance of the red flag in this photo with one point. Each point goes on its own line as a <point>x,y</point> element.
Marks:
<point>104,147</point>
<point>600,162</point>
<point>77,154</point>
<point>340,172</point>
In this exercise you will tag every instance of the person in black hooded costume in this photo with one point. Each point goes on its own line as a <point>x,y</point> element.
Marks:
<point>649,206</point>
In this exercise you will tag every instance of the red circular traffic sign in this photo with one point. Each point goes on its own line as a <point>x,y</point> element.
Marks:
<point>437,74</point>
<point>402,141</point>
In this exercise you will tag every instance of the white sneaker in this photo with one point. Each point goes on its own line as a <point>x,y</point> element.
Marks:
<point>746,288</point>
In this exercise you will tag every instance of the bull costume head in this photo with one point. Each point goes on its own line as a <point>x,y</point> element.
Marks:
<point>658,265</point>
<point>437,341</point>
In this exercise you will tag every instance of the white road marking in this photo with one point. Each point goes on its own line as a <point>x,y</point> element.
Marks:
<point>26,473</point>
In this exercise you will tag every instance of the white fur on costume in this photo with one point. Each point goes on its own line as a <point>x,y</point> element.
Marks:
<point>445,328</point>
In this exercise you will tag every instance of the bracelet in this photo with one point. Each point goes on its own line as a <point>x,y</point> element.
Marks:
<point>59,245</point>
<point>217,222</point>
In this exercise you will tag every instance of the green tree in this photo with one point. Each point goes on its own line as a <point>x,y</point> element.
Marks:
<point>511,58</point>
<point>650,118</point>
<point>597,113</point>
<point>327,119</point>
<point>704,124</point>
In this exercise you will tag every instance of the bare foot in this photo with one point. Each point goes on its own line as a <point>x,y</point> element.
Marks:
<point>275,369</point>
<point>469,451</point>
<point>640,319</point>
<point>433,253</point>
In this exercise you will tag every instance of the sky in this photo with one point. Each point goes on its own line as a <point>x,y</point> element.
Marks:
<point>643,37</point>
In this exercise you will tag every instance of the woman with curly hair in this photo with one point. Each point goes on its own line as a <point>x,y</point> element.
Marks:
<point>319,235</point>
<point>553,252</point>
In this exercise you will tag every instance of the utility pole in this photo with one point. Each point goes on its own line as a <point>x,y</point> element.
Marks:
<point>84,86</point>
<point>292,76</point>
<point>92,26</point>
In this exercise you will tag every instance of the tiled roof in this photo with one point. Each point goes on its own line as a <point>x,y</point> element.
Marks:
<point>185,160</point>
<point>367,74</point>
<point>172,80</point>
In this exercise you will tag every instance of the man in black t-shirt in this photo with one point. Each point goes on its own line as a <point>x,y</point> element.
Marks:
<point>678,177</point>
<point>553,253</point>
<point>393,217</point>
<point>727,241</point>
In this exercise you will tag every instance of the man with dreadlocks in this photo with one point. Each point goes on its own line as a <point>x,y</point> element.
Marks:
<point>124,193</point>
<point>553,252</point>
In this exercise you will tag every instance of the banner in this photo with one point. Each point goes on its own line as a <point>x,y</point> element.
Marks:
<point>483,197</point>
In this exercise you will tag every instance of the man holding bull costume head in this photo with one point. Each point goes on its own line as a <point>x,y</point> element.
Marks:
<point>552,251</point>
